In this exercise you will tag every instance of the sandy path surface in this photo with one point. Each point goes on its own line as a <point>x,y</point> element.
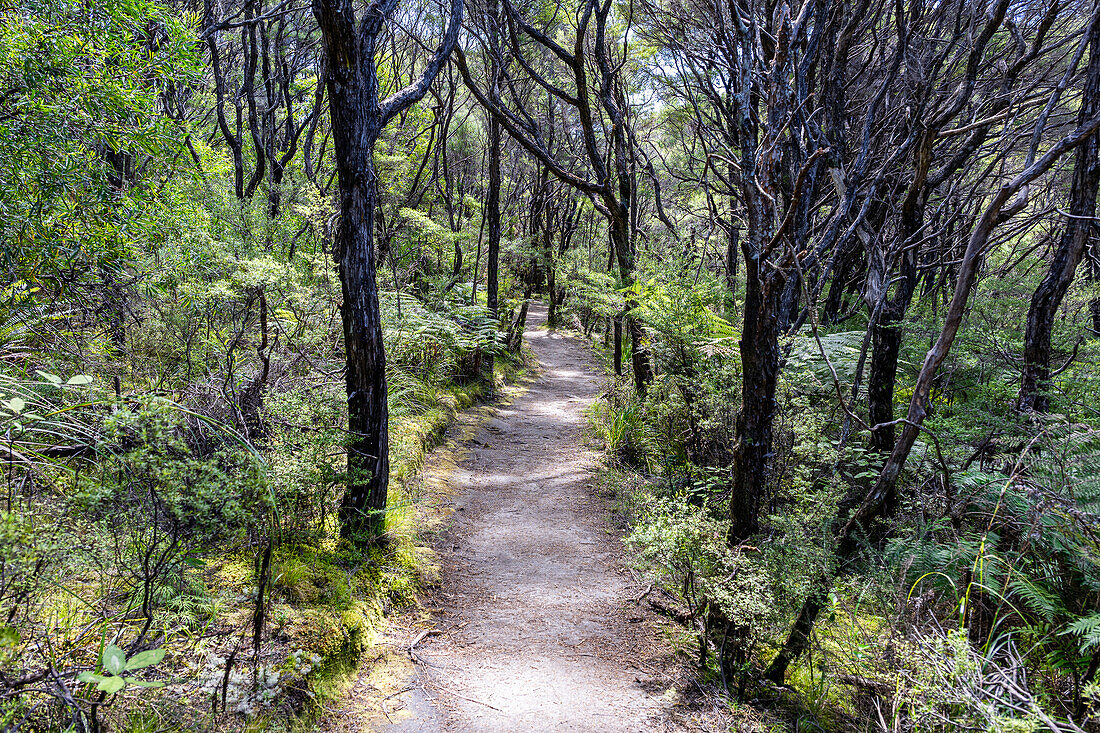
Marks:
<point>536,624</point>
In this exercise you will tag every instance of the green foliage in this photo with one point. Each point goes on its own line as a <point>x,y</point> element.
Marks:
<point>1087,631</point>
<point>598,294</point>
<point>432,341</point>
<point>160,478</point>
<point>79,81</point>
<point>113,663</point>
<point>687,545</point>
<point>621,422</point>
<point>1025,556</point>
<point>835,357</point>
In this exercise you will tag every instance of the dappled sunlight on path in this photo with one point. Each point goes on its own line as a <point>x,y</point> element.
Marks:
<point>535,622</point>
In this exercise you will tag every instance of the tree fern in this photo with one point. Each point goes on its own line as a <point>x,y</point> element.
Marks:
<point>842,349</point>
<point>1087,631</point>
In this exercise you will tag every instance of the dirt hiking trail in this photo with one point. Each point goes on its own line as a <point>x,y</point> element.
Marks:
<point>536,624</point>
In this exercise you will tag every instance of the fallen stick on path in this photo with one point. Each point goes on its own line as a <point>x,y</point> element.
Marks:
<point>467,699</point>
<point>419,638</point>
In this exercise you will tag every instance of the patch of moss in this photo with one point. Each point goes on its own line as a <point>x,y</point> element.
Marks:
<point>311,576</point>
<point>329,633</point>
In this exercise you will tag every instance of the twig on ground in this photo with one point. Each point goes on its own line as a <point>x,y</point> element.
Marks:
<point>467,699</point>
<point>419,638</point>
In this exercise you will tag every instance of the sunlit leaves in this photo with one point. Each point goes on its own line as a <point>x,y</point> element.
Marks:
<point>79,80</point>
<point>113,663</point>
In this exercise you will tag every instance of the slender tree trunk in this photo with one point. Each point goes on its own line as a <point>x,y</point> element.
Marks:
<point>788,303</point>
<point>732,255</point>
<point>551,280</point>
<point>886,329</point>
<point>624,254</point>
<point>492,223</point>
<point>1048,297</point>
<point>639,354</point>
<point>356,124</point>
<point>618,346</point>
<point>492,194</point>
<point>1094,278</point>
<point>847,263</point>
<point>515,331</point>
<point>886,340</point>
<point>362,512</point>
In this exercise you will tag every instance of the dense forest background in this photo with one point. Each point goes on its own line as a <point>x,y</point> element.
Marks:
<point>842,256</point>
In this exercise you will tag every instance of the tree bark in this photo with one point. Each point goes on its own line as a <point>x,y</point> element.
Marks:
<point>1094,278</point>
<point>886,340</point>
<point>618,347</point>
<point>760,376</point>
<point>357,121</point>
<point>552,318</point>
<point>732,255</point>
<point>1071,247</point>
<point>492,195</point>
<point>624,254</point>
<point>362,511</point>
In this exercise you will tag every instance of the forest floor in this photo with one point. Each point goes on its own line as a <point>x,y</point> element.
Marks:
<point>537,622</point>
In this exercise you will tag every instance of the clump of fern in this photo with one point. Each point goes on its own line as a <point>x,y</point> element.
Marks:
<point>1019,554</point>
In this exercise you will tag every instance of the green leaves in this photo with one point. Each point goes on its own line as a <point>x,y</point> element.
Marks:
<point>78,81</point>
<point>145,659</point>
<point>113,663</point>
<point>842,350</point>
<point>77,380</point>
<point>114,660</point>
<point>9,636</point>
<point>111,685</point>
<point>1087,630</point>
<point>51,378</point>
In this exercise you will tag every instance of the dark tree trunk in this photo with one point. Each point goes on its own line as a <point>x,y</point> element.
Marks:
<point>798,640</point>
<point>886,339</point>
<point>363,509</point>
<point>886,345</point>
<point>732,256</point>
<point>552,317</point>
<point>492,223</point>
<point>492,194</point>
<point>618,358</point>
<point>760,374</point>
<point>1094,278</point>
<point>456,268</point>
<point>1048,297</point>
<point>251,401</point>
<point>357,121</point>
<point>356,125</point>
<point>788,304</point>
<point>639,354</point>
<point>624,254</point>
<point>120,176</point>
<point>515,331</point>
<point>840,284</point>
<point>886,331</point>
